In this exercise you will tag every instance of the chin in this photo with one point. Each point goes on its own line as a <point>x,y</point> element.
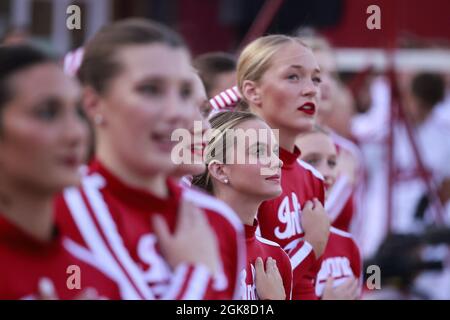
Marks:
<point>272,193</point>
<point>304,125</point>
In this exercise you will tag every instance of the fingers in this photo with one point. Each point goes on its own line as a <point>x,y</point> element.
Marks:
<point>353,290</point>
<point>46,289</point>
<point>259,266</point>
<point>161,229</point>
<point>317,203</point>
<point>329,283</point>
<point>308,205</point>
<point>88,294</point>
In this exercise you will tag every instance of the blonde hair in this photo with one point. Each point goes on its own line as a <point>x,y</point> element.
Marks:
<point>256,57</point>
<point>216,150</point>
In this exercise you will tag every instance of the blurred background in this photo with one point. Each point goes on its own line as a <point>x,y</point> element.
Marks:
<point>390,98</point>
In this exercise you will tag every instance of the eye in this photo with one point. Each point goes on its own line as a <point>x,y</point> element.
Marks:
<point>150,89</point>
<point>260,150</point>
<point>80,111</point>
<point>317,80</point>
<point>314,161</point>
<point>48,111</point>
<point>186,91</point>
<point>332,163</point>
<point>294,77</point>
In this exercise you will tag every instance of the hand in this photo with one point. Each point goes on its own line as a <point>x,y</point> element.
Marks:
<point>316,224</point>
<point>347,291</point>
<point>193,240</point>
<point>269,284</point>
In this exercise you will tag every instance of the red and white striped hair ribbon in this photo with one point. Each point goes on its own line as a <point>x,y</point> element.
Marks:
<point>226,100</point>
<point>72,61</point>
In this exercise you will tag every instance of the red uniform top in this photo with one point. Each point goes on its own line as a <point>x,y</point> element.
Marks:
<point>345,198</point>
<point>279,220</point>
<point>25,261</point>
<point>341,260</point>
<point>113,220</point>
<point>263,248</point>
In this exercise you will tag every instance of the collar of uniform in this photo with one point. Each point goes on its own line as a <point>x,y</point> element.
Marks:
<point>250,230</point>
<point>135,197</point>
<point>18,238</point>
<point>289,158</point>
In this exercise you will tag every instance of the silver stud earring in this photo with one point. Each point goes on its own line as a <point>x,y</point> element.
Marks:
<point>225,180</point>
<point>98,119</point>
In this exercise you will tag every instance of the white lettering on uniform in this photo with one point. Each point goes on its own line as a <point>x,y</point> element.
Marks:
<point>291,219</point>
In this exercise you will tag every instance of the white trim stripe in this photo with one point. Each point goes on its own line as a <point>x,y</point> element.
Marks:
<point>338,197</point>
<point>176,284</point>
<point>300,255</point>
<point>341,232</point>
<point>309,167</point>
<point>92,184</point>
<point>198,284</point>
<point>90,234</point>
<point>264,240</point>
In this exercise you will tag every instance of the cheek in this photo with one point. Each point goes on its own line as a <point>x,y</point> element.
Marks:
<point>27,148</point>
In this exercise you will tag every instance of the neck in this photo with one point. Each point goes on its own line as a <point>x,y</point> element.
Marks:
<point>30,209</point>
<point>246,207</point>
<point>287,141</point>
<point>153,183</point>
<point>286,138</point>
<point>422,115</point>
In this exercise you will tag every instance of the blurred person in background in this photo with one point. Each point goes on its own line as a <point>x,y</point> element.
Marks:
<point>43,141</point>
<point>162,241</point>
<point>340,273</point>
<point>217,71</point>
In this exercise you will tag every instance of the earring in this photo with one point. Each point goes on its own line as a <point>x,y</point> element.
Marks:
<point>98,119</point>
<point>225,181</point>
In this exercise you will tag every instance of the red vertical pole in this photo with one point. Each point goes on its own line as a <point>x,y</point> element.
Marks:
<point>262,21</point>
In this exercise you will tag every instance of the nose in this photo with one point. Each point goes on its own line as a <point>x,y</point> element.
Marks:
<point>178,111</point>
<point>310,89</point>
<point>75,130</point>
<point>275,161</point>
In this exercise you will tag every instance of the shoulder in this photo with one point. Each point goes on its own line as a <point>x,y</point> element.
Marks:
<point>214,206</point>
<point>341,233</point>
<point>309,168</point>
<point>275,248</point>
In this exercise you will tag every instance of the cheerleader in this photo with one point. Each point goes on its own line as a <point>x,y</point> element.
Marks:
<point>340,270</point>
<point>159,241</point>
<point>43,140</point>
<point>279,80</point>
<point>268,272</point>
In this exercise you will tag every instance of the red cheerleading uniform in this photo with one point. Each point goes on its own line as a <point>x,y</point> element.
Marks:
<point>279,220</point>
<point>345,199</point>
<point>113,221</point>
<point>258,247</point>
<point>340,261</point>
<point>25,261</point>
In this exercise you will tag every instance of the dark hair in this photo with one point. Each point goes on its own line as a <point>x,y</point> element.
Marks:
<point>429,88</point>
<point>210,65</point>
<point>12,60</point>
<point>99,61</point>
<point>216,148</point>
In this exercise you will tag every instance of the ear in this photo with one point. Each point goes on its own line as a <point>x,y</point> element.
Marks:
<point>218,171</point>
<point>93,106</point>
<point>251,92</point>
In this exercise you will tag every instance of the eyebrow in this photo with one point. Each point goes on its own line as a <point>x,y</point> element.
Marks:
<point>296,66</point>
